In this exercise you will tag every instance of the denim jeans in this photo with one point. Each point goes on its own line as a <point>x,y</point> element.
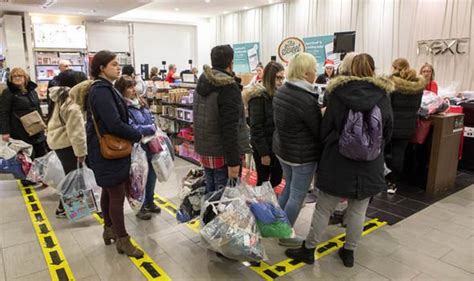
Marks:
<point>216,178</point>
<point>298,180</point>
<point>150,185</point>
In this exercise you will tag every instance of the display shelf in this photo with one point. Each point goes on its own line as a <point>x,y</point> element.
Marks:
<point>194,161</point>
<point>174,119</point>
<point>57,65</point>
<point>177,104</point>
<point>184,85</point>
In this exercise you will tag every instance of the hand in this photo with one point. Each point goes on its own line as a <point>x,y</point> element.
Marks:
<point>233,172</point>
<point>6,137</point>
<point>81,159</point>
<point>266,160</point>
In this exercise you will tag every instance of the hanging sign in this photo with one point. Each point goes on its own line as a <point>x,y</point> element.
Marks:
<point>246,57</point>
<point>290,47</point>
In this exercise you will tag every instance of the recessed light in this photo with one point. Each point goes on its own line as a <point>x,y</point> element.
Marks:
<point>226,12</point>
<point>246,7</point>
<point>176,9</point>
<point>207,1</point>
<point>270,1</point>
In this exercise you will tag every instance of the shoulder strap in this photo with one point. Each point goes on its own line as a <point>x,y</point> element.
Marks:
<point>92,113</point>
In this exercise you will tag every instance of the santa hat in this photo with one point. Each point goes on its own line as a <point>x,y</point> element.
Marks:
<point>328,63</point>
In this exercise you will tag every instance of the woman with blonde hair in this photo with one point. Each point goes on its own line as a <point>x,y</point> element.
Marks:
<point>296,141</point>
<point>427,71</point>
<point>17,100</point>
<point>406,100</point>
<point>340,173</point>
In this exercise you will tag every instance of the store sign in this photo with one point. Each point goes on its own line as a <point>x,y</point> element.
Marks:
<point>246,57</point>
<point>290,47</point>
<point>59,36</point>
<point>443,46</point>
<point>321,47</point>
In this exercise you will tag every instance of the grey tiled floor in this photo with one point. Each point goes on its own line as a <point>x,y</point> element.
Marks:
<point>434,244</point>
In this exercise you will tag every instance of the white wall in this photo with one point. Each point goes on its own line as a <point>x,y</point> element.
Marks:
<point>14,48</point>
<point>2,39</point>
<point>107,36</point>
<point>154,43</point>
<point>206,39</point>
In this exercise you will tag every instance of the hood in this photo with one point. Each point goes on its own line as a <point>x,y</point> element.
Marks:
<point>304,85</point>
<point>13,88</point>
<point>360,94</point>
<point>407,87</point>
<point>212,79</point>
<point>78,93</point>
<point>254,91</point>
<point>56,92</point>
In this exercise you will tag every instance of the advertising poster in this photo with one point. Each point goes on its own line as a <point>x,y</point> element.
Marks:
<point>289,47</point>
<point>321,48</point>
<point>246,57</point>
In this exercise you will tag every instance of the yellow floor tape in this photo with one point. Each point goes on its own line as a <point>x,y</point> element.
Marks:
<point>56,261</point>
<point>271,272</point>
<point>145,264</point>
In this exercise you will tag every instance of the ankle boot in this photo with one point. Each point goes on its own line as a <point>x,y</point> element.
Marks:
<point>125,246</point>
<point>109,235</point>
<point>302,254</point>
<point>347,257</point>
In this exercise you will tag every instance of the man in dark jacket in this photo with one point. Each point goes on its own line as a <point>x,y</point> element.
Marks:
<point>220,131</point>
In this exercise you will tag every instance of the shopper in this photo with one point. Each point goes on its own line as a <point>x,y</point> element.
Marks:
<point>16,101</point>
<point>171,76</point>
<point>154,74</point>
<point>66,130</point>
<point>142,120</point>
<point>63,66</point>
<point>4,71</point>
<point>107,108</point>
<point>140,86</point>
<point>259,76</point>
<point>406,100</point>
<point>358,179</point>
<point>259,101</point>
<point>296,141</point>
<point>220,131</point>
<point>428,73</point>
<point>328,74</point>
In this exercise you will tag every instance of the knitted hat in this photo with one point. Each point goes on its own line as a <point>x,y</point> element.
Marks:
<point>328,63</point>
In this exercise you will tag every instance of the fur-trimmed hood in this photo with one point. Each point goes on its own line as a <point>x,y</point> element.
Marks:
<point>406,87</point>
<point>254,91</point>
<point>56,91</point>
<point>78,93</point>
<point>360,94</point>
<point>212,79</point>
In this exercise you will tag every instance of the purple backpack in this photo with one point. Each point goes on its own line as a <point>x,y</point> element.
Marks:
<point>362,136</point>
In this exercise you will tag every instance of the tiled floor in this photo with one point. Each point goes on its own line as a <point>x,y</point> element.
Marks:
<point>436,243</point>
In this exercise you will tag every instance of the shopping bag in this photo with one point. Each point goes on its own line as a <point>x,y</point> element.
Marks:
<point>11,166</point>
<point>78,193</point>
<point>47,169</point>
<point>422,131</point>
<point>138,178</point>
<point>19,145</point>
<point>163,165</point>
<point>431,103</point>
<point>5,151</point>
<point>233,233</point>
<point>191,193</point>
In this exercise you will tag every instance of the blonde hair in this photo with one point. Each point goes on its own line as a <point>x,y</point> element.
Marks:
<point>299,66</point>
<point>346,64</point>
<point>363,65</point>
<point>19,71</point>
<point>402,69</point>
<point>432,70</point>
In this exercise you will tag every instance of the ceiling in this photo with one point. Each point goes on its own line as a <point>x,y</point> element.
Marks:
<point>138,10</point>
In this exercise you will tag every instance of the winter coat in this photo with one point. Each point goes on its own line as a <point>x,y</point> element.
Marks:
<point>79,93</point>
<point>141,119</point>
<point>341,176</point>
<point>260,119</point>
<point>13,105</point>
<point>406,100</point>
<point>297,118</point>
<point>66,126</point>
<point>220,128</point>
<point>111,114</point>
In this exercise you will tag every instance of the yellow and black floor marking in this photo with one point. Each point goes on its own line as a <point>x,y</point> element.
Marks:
<point>284,267</point>
<point>58,266</point>
<point>146,265</point>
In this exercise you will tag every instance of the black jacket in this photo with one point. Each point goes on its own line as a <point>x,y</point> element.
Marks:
<point>260,108</point>
<point>341,176</point>
<point>13,105</point>
<point>111,114</point>
<point>297,118</point>
<point>406,100</point>
<point>220,129</point>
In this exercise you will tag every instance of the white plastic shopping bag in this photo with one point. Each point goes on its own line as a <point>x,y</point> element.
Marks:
<point>47,169</point>
<point>138,178</point>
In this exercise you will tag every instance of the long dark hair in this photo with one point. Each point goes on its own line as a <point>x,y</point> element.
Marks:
<point>102,58</point>
<point>67,79</point>
<point>269,76</point>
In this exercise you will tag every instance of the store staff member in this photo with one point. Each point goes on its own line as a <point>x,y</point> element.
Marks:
<point>328,72</point>
<point>171,77</point>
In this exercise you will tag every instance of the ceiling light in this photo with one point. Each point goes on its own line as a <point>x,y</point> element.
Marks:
<point>176,9</point>
<point>246,7</point>
<point>207,1</point>
<point>226,12</point>
<point>270,1</point>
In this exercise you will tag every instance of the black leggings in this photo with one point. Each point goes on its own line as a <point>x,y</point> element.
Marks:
<point>272,173</point>
<point>68,161</point>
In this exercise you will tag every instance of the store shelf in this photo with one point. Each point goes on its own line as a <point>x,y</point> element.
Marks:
<point>177,104</point>
<point>183,85</point>
<point>81,65</point>
<point>194,161</point>
<point>174,119</point>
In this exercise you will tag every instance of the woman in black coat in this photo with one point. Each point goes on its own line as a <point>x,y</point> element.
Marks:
<point>406,100</point>
<point>259,100</point>
<point>341,177</point>
<point>17,100</point>
<point>107,106</point>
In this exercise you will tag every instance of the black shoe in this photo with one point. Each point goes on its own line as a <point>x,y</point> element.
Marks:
<point>60,213</point>
<point>302,254</point>
<point>152,208</point>
<point>347,257</point>
<point>143,215</point>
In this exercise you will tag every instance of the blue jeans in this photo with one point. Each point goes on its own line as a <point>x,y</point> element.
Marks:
<point>216,178</point>
<point>298,180</point>
<point>150,185</point>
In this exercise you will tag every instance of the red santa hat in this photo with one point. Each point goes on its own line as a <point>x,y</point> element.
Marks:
<point>328,63</point>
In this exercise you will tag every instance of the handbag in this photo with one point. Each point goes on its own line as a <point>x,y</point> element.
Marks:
<point>422,131</point>
<point>33,123</point>
<point>111,147</point>
<point>154,145</point>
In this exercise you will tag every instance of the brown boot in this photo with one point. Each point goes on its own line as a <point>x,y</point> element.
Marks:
<point>109,235</point>
<point>125,246</point>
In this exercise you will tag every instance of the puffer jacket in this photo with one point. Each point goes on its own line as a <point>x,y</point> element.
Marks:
<point>341,176</point>
<point>66,126</point>
<point>220,129</point>
<point>297,118</point>
<point>406,100</point>
<point>141,119</point>
<point>260,118</point>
